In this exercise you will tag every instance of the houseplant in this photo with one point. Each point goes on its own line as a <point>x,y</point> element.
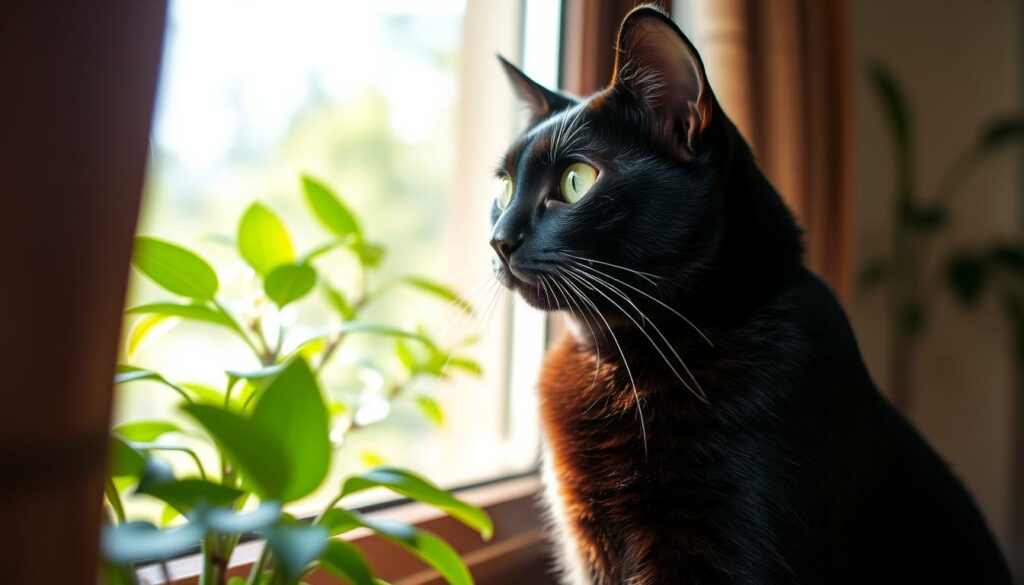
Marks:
<point>916,276</point>
<point>271,428</point>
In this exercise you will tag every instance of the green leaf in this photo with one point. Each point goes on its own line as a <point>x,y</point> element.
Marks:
<point>254,449</point>
<point>228,521</point>
<point>292,410</point>
<point>296,546</point>
<point>338,302</point>
<point>289,283</point>
<point>369,254</point>
<point>428,547</point>
<point>439,290</point>
<point>966,274</point>
<point>145,329</point>
<point>126,373</point>
<point>465,364</point>
<point>409,357</point>
<point>156,472</point>
<point>374,328</point>
<point>141,541</point>
<point>185,494</point>
<point>1002,131</point>
<point>329,209</point>
<point>168,515</point>
<point>326,247</point>
<point>125,461</point>
<point>412,486</point>
<point>431,409</point>
<point>191,311</point>
<point>145,430</point>
<point>265,373</point>
<point>339,521</point>
<point>176,269</point>
<point>344,560</point>
<point>263,241</point>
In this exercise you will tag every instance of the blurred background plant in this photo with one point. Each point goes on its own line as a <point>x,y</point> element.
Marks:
<point>915,273</point>
<point>264,438</point>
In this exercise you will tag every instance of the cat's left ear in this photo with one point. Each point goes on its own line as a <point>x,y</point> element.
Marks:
<point>658,65</point>
<point>540,101</point>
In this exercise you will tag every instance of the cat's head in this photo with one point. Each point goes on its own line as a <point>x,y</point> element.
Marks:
<point>618,187</point>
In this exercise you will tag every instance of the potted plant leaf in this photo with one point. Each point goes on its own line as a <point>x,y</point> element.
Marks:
<point>270,429</point>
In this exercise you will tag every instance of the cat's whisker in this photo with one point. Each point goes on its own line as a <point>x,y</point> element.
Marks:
<point>653,298</point>
<point>496,288</point>
<point>701,394</point>
<point>471,267</point>
<point>645,275</point>
<point>597,344</point>
<point>597,365</point>
<point>629,373</point>
<point>466,316</point>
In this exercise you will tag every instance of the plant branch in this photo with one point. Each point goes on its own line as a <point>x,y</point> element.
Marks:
<point>115,500</point>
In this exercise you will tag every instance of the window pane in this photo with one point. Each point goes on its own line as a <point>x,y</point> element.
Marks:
<point>401,107</point>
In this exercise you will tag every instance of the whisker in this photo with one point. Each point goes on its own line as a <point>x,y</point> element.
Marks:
<point>655,299</point>
<point>582,277</point>
<point>451,351</point>
<point>597,345</point>
<point>647,275</point>
<point>629,373</point>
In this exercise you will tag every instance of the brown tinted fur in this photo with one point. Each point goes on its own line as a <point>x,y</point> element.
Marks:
<point>604,478</point>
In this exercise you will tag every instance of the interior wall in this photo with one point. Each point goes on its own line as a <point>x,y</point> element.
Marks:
<point>960,64</point>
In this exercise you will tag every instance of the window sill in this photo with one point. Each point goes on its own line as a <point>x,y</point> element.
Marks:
<point>516,554</point>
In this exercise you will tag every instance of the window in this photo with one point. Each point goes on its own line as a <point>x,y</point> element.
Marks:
<point>402,108</point>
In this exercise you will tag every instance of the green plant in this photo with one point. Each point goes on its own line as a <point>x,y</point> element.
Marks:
<point>270,428</point>
<point>918,221</point>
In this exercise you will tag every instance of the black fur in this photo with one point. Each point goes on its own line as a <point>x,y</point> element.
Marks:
<point>785,465</point>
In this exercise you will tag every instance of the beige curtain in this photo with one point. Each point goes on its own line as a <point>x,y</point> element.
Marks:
<point>780,69</point>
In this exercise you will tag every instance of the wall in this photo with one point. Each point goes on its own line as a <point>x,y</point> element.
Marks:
<point>960,64</point>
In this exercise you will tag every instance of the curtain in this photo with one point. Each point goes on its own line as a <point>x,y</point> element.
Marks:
<point>77,83</point>
<point>781,71</point>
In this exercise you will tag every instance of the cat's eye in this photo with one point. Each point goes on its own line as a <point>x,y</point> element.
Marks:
<point>577,179</point>
<point>503,192</point>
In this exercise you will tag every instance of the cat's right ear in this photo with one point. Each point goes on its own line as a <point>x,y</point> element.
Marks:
<point>539,101</point>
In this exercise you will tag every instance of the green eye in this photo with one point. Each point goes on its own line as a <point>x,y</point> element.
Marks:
<point>503,193</point>
<point>577,180</point>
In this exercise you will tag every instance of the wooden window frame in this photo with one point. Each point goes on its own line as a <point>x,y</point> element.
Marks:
<point>517,553</point>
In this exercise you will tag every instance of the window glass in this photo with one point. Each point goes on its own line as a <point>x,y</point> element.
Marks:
<point>402,109</point>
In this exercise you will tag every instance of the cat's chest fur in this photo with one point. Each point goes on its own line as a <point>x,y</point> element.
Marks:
<point>632,501</point>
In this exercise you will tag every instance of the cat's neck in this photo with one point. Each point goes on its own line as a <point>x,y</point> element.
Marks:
<point>759,251</point>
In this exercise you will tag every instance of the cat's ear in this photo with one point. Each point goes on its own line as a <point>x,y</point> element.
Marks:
<point>540,101</point>
<point>659,66</point>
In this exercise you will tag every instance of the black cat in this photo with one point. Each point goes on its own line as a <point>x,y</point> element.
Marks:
<point>709,420</point>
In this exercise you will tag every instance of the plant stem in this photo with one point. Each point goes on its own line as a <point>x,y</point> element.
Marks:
<point>237,327</point>
<point>115,500</point>
<point>257,567</point>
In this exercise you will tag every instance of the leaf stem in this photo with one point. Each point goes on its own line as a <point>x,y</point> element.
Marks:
<point>115,500</point>
<point>257,567</point>
<point>236,326</point>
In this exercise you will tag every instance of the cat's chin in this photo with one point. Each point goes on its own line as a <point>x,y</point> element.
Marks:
<point>533,293</point>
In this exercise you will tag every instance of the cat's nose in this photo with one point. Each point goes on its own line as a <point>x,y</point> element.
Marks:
<point>505,246</point>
